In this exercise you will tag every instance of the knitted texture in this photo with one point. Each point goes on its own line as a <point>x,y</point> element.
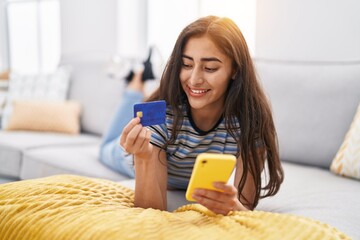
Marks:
<point>73,207</point>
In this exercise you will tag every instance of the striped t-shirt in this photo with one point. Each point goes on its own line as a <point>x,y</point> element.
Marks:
<point>190,142</point>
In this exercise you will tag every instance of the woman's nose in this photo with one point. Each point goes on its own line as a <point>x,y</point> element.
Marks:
<point>196,77</point>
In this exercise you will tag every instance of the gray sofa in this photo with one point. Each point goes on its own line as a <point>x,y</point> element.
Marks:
<point>26,155</point>
<point>313,107</point>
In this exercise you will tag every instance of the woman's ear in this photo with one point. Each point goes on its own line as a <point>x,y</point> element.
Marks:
<point>234,74</point>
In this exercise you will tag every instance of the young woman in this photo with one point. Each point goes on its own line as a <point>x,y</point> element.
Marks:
<point>214,104</point>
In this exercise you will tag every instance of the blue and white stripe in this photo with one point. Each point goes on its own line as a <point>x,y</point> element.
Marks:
<point>189,143</point>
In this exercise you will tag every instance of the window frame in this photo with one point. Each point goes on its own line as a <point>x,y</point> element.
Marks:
<point>4,43</point>
<point>5,33</point>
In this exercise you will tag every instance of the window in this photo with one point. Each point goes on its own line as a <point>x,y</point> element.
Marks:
<point>3,42</point>
<point>33,35</point>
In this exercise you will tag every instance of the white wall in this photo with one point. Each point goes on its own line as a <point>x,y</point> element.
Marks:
<point>308,30</point>
<point>285,30</point>
<point>242,12</point>
<point>131,29</point>
<point>88,29</point>
<point>168,17</point>
<point>166,20</point>
<point>99,29</point>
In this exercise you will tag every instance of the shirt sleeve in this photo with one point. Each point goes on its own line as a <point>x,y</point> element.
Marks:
<point>159,135</point>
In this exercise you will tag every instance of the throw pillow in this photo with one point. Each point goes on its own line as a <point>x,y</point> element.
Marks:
<point>347,159</point>
<point>36,87</point>
<point>53,116</point>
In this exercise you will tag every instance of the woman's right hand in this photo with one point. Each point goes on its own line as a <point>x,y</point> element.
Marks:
<point>135,139</point>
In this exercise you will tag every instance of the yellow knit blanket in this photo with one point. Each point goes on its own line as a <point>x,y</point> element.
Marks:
<point>73,207</point>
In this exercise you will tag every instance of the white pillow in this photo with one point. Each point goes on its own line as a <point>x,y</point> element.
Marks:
<point>36,87</point>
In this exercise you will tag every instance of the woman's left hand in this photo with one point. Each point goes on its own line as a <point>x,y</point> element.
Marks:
<point>219,202</point>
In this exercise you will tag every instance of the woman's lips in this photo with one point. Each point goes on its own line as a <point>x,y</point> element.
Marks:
<point>197,92</point>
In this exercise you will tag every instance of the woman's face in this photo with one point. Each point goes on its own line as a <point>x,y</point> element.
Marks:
<point>205,74</point>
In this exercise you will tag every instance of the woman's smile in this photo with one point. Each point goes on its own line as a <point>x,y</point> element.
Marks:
<point>197,92</point>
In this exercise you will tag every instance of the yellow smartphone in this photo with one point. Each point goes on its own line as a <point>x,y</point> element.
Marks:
<point>209,168</point>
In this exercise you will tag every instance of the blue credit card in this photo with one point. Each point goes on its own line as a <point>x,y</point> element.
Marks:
<point>151,113</point>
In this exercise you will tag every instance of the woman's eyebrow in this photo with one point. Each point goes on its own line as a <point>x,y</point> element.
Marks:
<point>207,59</point>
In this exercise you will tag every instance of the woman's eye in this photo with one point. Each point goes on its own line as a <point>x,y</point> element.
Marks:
<point>210,69</point>
<point>187,66</point>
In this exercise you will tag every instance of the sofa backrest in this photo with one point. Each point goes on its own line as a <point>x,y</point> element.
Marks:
<point>313,106</point>
<point>308,58</point>
<point>97,92</point>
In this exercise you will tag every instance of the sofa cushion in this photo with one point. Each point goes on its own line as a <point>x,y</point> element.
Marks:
<point>98,94</point>
<point>313,107</point>
<point>67,159</point>
<point>319,194</point>
<point>52,86</point>
<point>45,116</point>
<point>13,144</point>
<point>10,162</point>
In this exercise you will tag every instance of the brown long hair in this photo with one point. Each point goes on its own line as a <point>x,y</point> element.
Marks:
<point>245,100</point>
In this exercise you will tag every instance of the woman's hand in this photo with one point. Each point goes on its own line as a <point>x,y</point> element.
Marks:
<point>219,202</point>
<point>135,138</point>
